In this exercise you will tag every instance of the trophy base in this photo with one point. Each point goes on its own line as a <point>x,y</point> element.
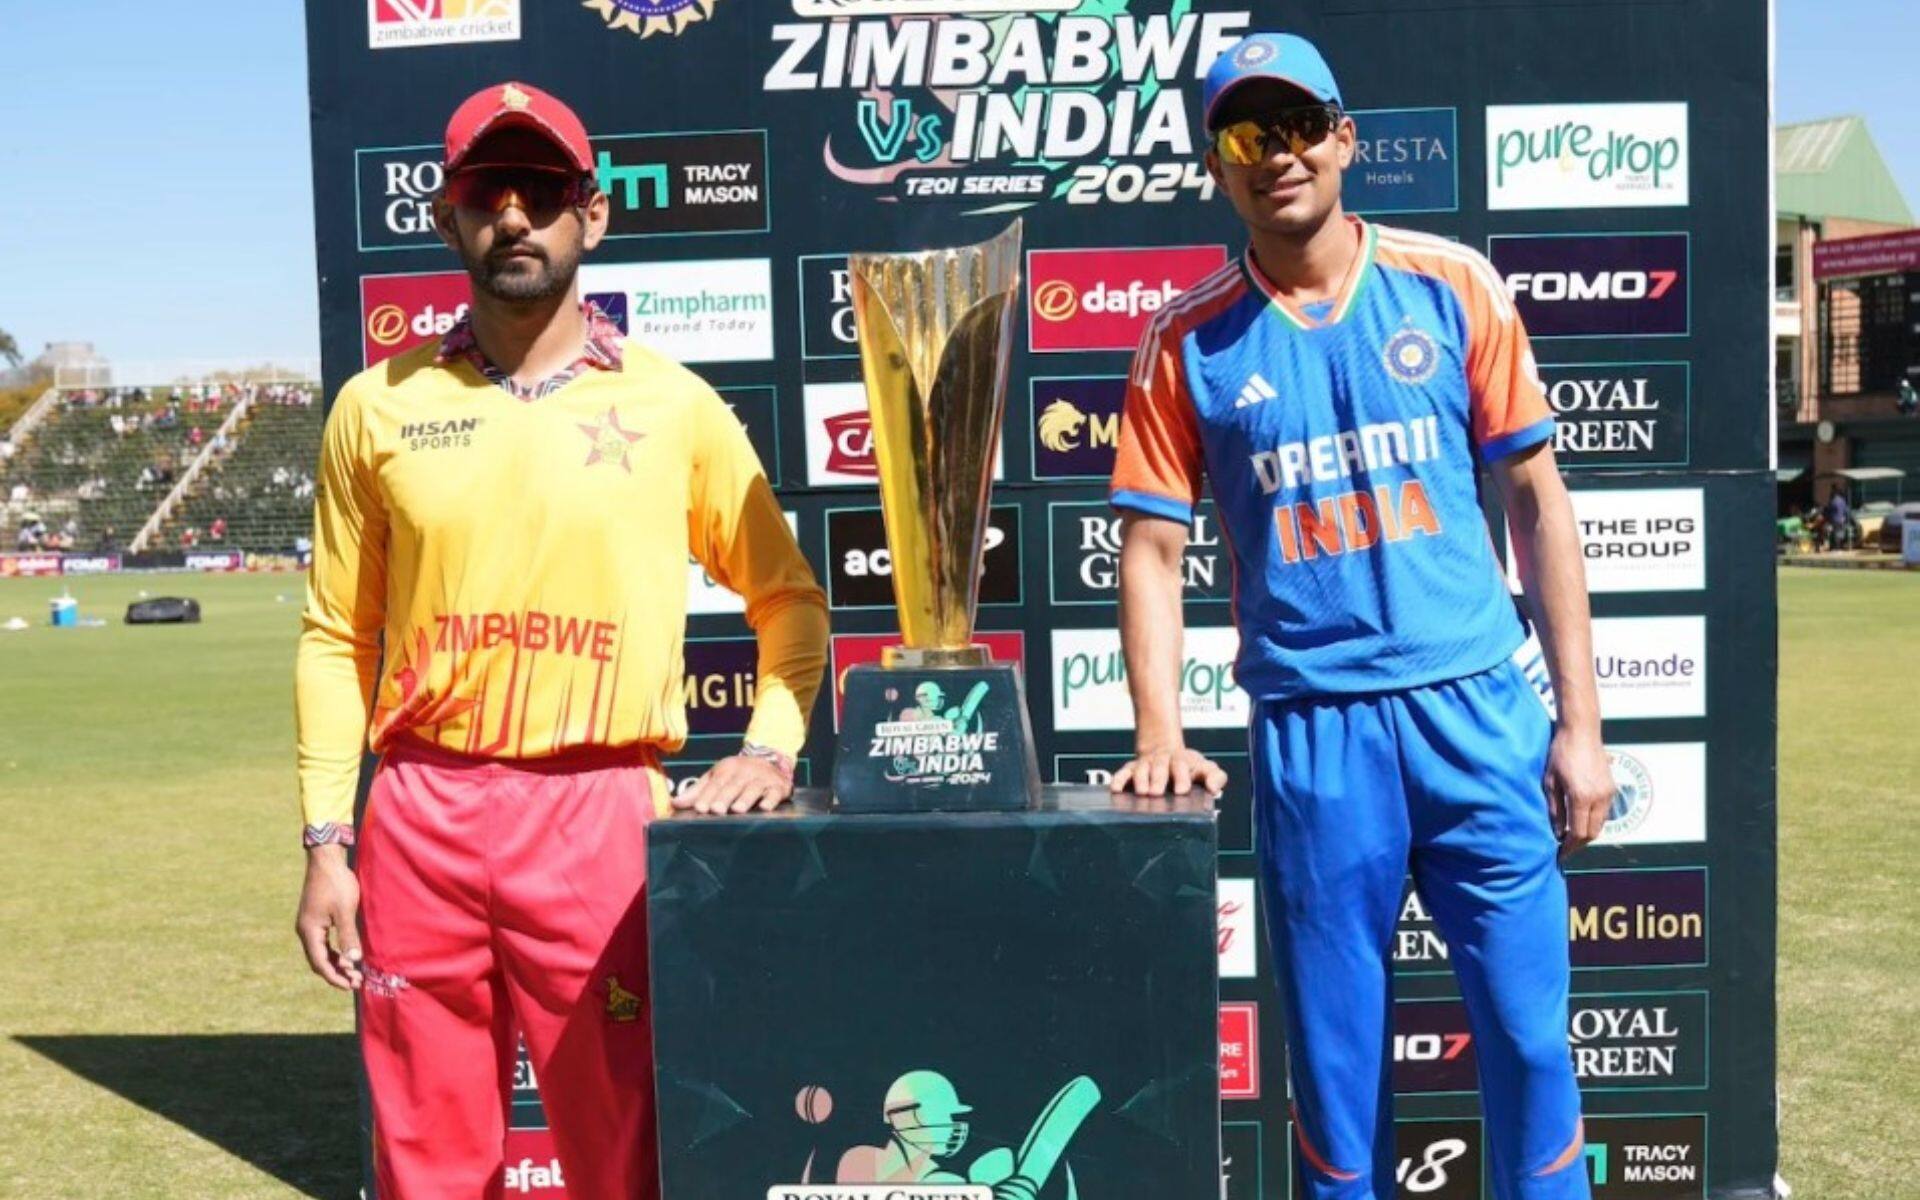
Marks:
<point>935,739</point>
<point>913,658</point>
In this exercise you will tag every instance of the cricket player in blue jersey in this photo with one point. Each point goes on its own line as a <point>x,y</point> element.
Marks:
<point>1340,387</point>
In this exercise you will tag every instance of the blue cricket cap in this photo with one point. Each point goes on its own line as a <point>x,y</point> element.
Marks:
<point>1281,57</point>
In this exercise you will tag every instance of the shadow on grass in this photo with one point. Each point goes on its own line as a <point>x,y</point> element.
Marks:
<point>286,1103</point>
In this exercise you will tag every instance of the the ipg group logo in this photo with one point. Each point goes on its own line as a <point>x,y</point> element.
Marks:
<point>399,312</point>
<point>1586,156</point>
<point>1102,299</point>
<point>397,24</point>
<point>1597,284</point>
<point>850,650</point>
<point>992,106</point>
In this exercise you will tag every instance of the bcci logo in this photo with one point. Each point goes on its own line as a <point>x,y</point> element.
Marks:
<point>1255,54</point>
<point>648,17</point>
<point>1632,793</point>
<point>1411,356</point>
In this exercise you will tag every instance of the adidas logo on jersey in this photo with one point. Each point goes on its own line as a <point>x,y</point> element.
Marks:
<point>1257,389</point>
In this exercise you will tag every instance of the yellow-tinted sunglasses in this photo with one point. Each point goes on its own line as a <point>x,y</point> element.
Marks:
<point>1295,130</point>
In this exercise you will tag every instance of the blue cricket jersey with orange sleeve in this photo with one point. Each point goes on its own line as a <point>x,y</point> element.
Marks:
<point>1343,448</point>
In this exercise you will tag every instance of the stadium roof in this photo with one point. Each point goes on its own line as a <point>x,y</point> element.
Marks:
<point>1831,168</point>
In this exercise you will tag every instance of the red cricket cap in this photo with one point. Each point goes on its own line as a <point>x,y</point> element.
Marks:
<point>516,106</point>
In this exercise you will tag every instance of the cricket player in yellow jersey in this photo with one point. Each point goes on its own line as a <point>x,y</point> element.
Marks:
<point>508,514</point>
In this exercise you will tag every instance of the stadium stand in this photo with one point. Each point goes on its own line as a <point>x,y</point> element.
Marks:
<point>93,473</point>
<point>259,496</point>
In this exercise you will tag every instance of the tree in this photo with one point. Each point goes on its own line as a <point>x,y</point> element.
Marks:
<point>9,349</point>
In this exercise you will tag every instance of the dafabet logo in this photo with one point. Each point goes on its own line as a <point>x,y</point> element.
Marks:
<point>1103,299</point>
<point>399,312</point>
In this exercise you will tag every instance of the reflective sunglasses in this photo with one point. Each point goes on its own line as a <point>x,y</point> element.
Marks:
<point>1295,130</point>
<point>536,192</point>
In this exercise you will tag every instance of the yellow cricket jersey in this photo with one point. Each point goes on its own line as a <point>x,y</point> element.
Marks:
<point>526,562</point>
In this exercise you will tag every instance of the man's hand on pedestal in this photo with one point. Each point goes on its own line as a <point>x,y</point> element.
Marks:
<point>748,780</point>
<point>1179,771</point>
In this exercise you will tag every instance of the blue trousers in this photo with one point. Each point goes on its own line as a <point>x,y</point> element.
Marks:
<point>1350,794</point>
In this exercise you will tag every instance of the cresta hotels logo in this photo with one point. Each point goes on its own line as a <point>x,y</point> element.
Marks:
<point>998,105</point>
<point>399,312</point>
<point>1103,299</point>
<point>399,24</point>
<point>645,18</point>
<point>1239,940</point>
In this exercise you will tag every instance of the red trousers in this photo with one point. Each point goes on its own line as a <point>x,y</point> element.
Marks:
<point>497,897</point>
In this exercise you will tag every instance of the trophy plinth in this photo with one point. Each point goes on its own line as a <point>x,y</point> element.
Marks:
<point>937,726</point>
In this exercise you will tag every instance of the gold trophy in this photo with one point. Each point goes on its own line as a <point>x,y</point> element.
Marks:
<point>937,725</point>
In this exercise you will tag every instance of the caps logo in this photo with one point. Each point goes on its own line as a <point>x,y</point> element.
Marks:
<point>850,440</point>
<point>644,18</point>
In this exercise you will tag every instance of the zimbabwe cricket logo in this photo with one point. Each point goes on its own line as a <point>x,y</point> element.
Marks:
<point>926,1130</point>
<point>648,17</point>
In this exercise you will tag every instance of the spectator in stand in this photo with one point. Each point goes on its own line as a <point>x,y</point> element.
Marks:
<point>189,538</point>
<point>107,541</point>
<point>218,530</point>
<point>21,493</point>
<point>25,539</point>
<point>193,436</point>
<point>6,450</point>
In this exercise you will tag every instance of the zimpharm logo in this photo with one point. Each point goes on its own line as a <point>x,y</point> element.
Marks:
<point>714,310</point>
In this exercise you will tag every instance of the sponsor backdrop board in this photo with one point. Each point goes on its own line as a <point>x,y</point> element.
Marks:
<point>749,145</point>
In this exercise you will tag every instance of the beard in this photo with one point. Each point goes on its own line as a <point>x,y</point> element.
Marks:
<point>522,280</point>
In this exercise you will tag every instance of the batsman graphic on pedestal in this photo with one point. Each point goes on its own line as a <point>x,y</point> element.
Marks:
<point>926,1128</point>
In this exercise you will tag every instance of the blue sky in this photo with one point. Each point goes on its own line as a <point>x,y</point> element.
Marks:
<point>155,187</point>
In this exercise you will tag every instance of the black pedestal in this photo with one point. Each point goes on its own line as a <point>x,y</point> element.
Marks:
<point>984,1005</point>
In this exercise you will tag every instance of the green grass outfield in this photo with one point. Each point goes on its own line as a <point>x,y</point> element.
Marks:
<point>160,1036</point>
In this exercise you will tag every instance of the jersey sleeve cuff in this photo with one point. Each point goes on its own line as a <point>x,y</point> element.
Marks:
<point>1520,439</point>
<point>1152,505</point>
